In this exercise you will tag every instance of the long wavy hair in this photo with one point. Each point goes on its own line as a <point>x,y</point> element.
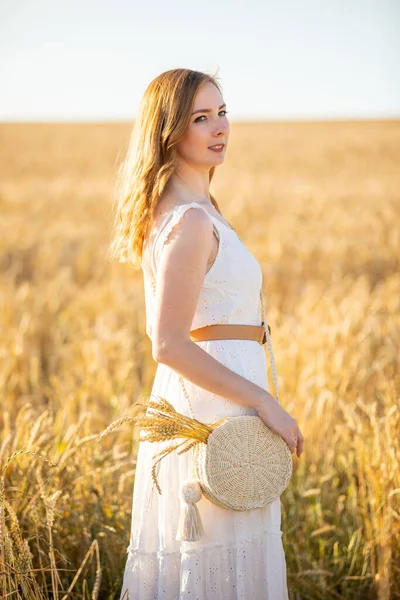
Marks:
<point>163,117</point>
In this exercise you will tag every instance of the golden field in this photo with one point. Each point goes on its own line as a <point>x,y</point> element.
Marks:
<point>318,204</point>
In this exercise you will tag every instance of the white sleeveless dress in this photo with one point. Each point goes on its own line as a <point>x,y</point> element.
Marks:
<point>241,554</point>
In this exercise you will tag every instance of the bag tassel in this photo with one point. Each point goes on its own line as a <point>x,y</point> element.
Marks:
<point>190,527</point>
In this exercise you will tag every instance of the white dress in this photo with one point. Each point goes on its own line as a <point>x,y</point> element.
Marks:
<point>241,554</point>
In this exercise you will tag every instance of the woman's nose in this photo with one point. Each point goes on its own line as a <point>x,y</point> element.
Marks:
<point>221,128</point>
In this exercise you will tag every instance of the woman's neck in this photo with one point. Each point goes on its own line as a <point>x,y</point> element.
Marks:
<point>192,186</point>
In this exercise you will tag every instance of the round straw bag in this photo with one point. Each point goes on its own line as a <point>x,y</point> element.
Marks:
<point>244,464</point>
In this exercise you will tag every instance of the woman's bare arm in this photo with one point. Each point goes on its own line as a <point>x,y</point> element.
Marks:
<point>180,273</point>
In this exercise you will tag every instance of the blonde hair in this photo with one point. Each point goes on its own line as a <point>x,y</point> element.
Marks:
<point>163,117</point>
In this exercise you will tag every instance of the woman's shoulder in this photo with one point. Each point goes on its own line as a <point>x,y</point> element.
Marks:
<point>170,208</point>
<point>169,211</point>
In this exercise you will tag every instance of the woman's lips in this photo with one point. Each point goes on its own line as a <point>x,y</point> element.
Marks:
<point>217,147</point>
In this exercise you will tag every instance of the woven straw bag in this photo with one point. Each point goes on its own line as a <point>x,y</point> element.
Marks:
<point>238,463</point>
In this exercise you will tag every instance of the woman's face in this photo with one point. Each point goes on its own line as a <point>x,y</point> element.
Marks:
<point>208,126</point>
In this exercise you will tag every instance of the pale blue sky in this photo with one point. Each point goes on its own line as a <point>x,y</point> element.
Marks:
<point>283,59</point>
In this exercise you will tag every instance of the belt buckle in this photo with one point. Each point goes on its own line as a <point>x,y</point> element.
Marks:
<point>264,338</point>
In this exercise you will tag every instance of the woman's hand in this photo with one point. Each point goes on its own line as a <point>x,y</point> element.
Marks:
<point>277,419</point>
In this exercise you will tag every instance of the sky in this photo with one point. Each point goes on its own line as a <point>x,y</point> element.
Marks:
<point>91,60</point>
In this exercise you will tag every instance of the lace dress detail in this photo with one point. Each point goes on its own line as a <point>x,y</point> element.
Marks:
<point>241,555</point>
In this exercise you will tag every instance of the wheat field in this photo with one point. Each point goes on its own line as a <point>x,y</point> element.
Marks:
<point>318,204</point>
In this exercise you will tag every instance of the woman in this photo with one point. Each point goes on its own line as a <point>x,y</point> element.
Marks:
<point>197,272</point>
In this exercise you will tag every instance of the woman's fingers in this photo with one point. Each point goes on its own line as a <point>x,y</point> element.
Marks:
<point>295,442</point>
<point>300,443</point>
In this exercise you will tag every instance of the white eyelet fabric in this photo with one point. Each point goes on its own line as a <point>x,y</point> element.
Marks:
<point>241,555</point>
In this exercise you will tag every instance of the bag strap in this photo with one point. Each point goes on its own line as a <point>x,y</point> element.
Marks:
<point>269,345</point>
<point>271,354</point>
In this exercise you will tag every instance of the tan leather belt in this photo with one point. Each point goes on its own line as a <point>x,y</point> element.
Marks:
<point>230,331</point>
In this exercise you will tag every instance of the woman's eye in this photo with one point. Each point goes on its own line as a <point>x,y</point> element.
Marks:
<point>201,117</point>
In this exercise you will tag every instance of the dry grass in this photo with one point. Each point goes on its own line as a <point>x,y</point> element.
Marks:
<point>319,205</point>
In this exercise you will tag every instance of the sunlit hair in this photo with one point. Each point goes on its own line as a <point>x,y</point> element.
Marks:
<point>163,117</point>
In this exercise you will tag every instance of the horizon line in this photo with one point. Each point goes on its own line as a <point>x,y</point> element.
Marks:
<point>338,119</point>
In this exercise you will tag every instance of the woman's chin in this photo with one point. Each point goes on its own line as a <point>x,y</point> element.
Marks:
<point>218,158</point>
